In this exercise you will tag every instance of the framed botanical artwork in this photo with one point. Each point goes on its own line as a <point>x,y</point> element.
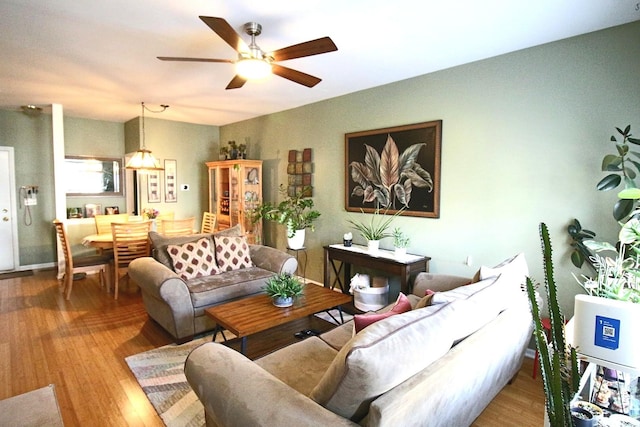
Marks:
<point>170,181</point>
<point>394,168</point>
<point>153,186</point>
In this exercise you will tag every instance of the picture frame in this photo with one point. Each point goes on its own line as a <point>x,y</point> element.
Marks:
<point>394,167</point>
<point>153,186</point>
<point>170,181</point>
<point>92,209</point>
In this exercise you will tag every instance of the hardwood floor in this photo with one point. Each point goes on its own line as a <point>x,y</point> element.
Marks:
<point>80,346</point>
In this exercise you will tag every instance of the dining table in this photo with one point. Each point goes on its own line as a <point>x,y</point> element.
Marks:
<point>98,241</point>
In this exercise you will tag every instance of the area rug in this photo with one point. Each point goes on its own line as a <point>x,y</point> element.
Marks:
<point>160,373</point>
<point>333,316</point>
<point>35,408</point>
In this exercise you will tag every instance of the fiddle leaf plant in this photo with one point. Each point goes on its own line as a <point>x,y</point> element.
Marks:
<point>296,211</point>
<point>623,169</point>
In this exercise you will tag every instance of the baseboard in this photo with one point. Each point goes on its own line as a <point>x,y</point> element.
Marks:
<point>530,353</point>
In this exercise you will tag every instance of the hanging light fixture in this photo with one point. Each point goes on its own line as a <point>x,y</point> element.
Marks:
<point>143,160</point>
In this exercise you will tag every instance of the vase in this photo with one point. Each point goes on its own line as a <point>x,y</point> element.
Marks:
<point>373,245</point>
<point>400,252</point>
<point>297,241</point>
<point>283,302</point>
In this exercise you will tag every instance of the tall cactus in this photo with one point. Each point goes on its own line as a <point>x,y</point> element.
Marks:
<point>558,362</point>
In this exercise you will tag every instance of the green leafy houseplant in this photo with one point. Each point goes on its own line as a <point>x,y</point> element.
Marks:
<point>623,170</point>
<point>558,361</point>
<point>618,277</point>
<point>283,285</point>
<point>400,240</point>
<point>377,227</point>
<point>296,212</point>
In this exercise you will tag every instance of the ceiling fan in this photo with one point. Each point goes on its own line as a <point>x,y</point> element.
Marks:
<point>253,62</point>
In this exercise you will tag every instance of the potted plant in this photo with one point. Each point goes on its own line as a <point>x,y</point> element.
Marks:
<point>558,360</point>
<point>295,212</point>
<point>282,288</point>
<point>376,229</point>
<point>400,242</point>
<point>224,153</point>
<point>617,277</point>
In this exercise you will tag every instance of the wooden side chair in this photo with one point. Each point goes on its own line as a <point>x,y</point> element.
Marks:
<point>208,222</point>
<point>177,227</point>
<point>130,241</point>
<point>81,264</point>
<point>103,222</point>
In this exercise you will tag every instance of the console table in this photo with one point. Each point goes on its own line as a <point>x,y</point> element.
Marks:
<point>382,260</point>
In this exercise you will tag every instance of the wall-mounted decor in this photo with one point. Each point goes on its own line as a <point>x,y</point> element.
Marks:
<point>153,186</point>
<point>393,168</point>
<point>92,209</point>
<point>300,173</point>
<point>170,181</point>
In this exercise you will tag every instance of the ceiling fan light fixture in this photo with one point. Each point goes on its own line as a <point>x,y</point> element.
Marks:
<point>253,68</point>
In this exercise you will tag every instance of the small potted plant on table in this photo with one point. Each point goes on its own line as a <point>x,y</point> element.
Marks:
<point>400,242</point>
<point>282,288</point>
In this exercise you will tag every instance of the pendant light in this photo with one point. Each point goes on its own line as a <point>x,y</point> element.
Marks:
<point>143,160</point>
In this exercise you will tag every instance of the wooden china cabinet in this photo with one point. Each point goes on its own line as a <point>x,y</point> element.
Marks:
<point>235,192</point>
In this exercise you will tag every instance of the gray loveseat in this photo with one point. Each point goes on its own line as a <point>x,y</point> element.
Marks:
<point>178,305</point>
<point>438,365</point>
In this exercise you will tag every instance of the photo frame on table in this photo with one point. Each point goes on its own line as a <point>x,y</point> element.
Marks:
<point>170,181</point>
<point>394,167</point>
<point>153,187</point>
<point>92,209</point>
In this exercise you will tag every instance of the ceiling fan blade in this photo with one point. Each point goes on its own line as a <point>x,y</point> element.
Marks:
<point>236,83</point>
<point>295,76</point>
<point>312,47</point>
<point>226,33</point>
<point>177,58</point>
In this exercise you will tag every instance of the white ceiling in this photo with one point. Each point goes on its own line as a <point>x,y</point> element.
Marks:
<point>98,57</point>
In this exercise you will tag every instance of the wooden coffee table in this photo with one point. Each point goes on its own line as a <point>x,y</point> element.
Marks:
<point>254,314</point>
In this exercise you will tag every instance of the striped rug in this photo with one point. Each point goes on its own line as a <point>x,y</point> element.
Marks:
<point>160,373</point>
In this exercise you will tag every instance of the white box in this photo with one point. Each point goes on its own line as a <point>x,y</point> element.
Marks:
<point>607,330</point>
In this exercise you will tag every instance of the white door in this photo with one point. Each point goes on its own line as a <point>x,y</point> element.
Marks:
<point>8,225</point>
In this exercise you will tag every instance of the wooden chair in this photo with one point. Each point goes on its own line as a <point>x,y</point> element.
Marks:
<point>103,222</point>
<point>208,222</point>
<point>81,264</point>
<point>177,227</point>
<point>130,241</point>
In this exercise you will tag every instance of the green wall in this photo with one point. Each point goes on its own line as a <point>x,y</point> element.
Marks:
<point>523,139</point>
<point>31,136</point>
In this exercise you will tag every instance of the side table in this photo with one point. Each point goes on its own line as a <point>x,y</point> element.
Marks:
<point>382,260</point>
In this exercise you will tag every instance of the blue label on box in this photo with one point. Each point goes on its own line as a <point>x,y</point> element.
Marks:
<point>607,333</point>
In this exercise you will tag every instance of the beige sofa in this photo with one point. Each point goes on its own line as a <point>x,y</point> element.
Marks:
<point>438,365</point>
<point>178,305</point>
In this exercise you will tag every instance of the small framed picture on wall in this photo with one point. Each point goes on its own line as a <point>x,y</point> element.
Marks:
<point>153,187</point>
<point>170,181</point>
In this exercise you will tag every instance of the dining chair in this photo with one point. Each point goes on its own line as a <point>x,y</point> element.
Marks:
<point>103,222</point>
<point>130,241</point>
<point>208,222</point>
<point>177,227</point>
<point>81,264</point>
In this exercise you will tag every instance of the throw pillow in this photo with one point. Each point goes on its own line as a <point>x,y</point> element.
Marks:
<point>361,321</point>
<point>461,292</point>
<point>232,253</point>
<point>514,268</point>
<point>193,259</point>
<point>426,299</point>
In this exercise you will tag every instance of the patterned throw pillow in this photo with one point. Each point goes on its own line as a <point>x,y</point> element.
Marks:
<point>232,253</point>
<point>193,259</point>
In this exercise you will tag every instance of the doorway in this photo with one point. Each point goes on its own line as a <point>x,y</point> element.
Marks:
<point>9,258</point>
